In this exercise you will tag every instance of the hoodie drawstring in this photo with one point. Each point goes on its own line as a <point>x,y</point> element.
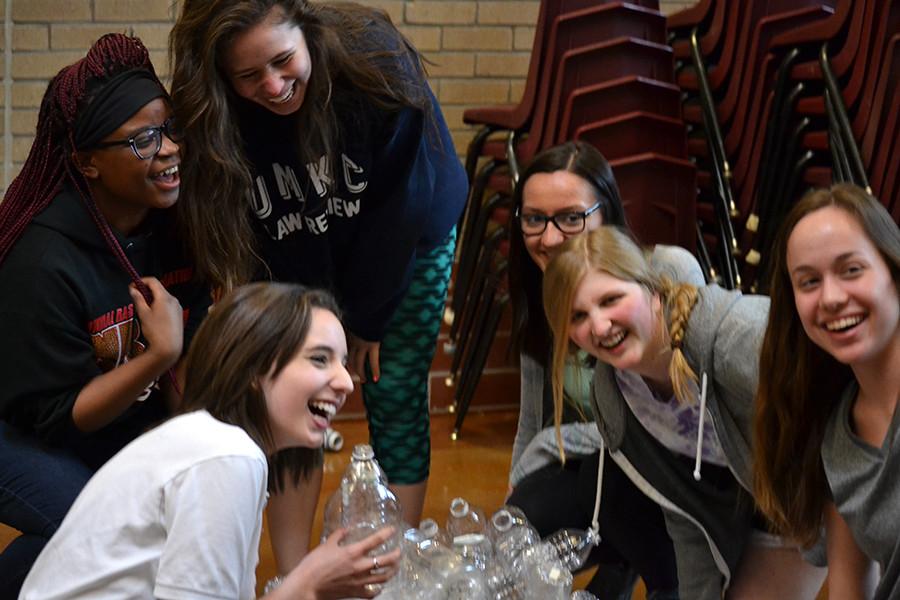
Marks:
<point>595,520</point>
<point>699,457</point>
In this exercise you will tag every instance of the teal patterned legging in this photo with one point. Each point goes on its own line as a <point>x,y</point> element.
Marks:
<point>397,406</point>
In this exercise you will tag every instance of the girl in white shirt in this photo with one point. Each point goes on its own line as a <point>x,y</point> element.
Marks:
<point>178,512</point>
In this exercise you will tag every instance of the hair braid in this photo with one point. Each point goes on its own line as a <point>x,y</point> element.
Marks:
<point>49,164</point>
<point>680,300</point>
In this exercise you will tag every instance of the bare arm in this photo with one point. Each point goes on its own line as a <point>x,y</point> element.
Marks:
<point>107,396</point>
<point>851,574</point>
<point>291,513</point>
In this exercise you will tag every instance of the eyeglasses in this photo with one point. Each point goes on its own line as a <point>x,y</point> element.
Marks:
<point>567,222</point>
<point>148,142</point>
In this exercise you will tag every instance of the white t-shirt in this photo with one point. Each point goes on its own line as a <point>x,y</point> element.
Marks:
<point>176,514</point>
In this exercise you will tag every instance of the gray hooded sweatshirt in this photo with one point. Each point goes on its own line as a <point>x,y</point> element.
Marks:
<point>709,521</point>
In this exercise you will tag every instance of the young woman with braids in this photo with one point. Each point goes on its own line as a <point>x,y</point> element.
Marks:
<point>565,191</point>
<point>827,428</point>
<point>96,301</point>
<point>673,398</point>
<point>331,165</point>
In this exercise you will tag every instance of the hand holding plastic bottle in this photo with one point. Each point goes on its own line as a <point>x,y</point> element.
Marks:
<point>333,570</point>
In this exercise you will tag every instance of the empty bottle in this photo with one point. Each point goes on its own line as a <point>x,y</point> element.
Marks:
<point>464,519</point>
<point>331,518</point>
<point>573,546</point>
<point>582,595</point>
<point>510,544</point>
<point>474,548</point>
<point>505,519</point>
<point>414,579</point>
<point>464,581</point>
<point>549,580</point>
<point>367,504</point>
<point>502,585</point>
<point>432,531</point>
<point>334,441</point>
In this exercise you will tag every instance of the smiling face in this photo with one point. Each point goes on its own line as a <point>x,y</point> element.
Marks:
<point>550,194</point>
<point>843,290</point>
<point>311,388</point>
<point>269,64</point>
<point>618,323</point>
<point>126,187</point>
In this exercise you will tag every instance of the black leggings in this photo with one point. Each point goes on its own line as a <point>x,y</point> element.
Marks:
<point>632,527</point>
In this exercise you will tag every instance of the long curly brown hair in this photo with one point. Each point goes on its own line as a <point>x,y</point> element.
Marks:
<point>352,48</point>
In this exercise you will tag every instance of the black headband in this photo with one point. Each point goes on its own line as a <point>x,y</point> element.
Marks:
<point>115,103</point>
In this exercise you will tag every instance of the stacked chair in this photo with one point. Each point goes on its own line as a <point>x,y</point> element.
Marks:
<point>781,96</point>
<point>601,72</point>
<point>714,120</point>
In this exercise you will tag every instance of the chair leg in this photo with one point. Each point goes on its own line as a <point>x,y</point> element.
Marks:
<point>473,153</point>
<point>469,255</point>
<point>473,203</point>
<point>703,257</point>
<point>479,359</point>
<point>482,307</point>
<point>461,328</point>
<point>843,121</point>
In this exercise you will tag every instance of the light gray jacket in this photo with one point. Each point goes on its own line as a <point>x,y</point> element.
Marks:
<point>709,524</point>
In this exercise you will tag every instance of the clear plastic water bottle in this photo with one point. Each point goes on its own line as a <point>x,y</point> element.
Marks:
<point>474,548</point>
<point>510,544</point>
<point>331,518</point>
<point>573,546</point>
<point>549,580</point>
<point>464,519</point>
<point>505,519</point>
<point>464,582</point>
<point>582,595</point>
<point>414,579</point>
<point>367,505</point>
<point>502,585</point>
<point>430,529</point>
<point>334,441</point>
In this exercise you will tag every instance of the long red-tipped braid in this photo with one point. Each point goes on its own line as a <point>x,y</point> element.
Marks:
<point>49,164</point>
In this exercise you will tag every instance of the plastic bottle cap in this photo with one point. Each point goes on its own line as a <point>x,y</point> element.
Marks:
<point>502,520</point>
<point>429,527</point>
<point>363,452</point>
<point>459,507</point>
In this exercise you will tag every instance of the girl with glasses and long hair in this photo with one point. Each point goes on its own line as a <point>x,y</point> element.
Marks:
<point>178,512</point>
<point>96,299</point>
<point>315,152</point>
<point>566,191</point>
<point>672,394</point>
<point>827,440</point>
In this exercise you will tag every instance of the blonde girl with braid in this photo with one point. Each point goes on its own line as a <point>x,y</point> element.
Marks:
<point>673,396</point>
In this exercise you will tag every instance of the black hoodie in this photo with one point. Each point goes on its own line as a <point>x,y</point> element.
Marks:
<point>66,317</point>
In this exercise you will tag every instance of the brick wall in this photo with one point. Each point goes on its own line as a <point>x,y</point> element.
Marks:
<point>480,48</point>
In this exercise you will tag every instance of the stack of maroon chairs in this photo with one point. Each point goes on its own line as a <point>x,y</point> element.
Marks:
<point>781,96</point>
<point>600,72</point>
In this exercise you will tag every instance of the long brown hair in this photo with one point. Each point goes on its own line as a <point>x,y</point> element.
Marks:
<point>612,251</point>
<point>799,383</point>
<point>352,48</point>
<point>253,331</point>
